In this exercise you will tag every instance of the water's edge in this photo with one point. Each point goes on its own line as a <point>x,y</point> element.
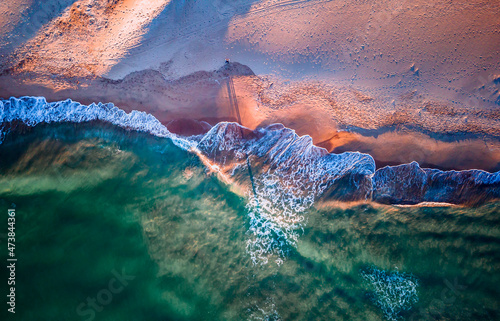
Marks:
<point>349,176</point>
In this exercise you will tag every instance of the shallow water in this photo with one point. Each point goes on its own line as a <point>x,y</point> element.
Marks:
<point>93,201</point>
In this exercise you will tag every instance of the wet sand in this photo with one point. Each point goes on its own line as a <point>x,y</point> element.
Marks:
<point>337,118</point>
<point>190,105</point>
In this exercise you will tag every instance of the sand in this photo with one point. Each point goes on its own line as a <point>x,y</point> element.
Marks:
<point>401,80</point>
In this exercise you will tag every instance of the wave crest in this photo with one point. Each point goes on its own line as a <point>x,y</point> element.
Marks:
<point>287,173</point>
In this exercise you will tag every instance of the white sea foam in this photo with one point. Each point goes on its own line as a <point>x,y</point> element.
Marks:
<point>393,292</point>
<point>290,174</point>
<point>35,110</point>
<point>280,198</point>
<point>282,193</point>
<point>266,311</point>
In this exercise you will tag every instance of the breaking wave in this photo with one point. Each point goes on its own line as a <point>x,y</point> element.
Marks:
<point>286,172</point>
<point>411,184</point>
<point>35,110</point>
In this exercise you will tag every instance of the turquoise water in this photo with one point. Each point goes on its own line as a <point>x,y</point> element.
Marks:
<point>94,201</point>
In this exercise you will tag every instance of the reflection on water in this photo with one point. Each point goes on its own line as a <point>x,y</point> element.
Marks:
<point>96,201</point>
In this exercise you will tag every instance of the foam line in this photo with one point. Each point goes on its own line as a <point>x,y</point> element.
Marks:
<point>35,110</point>
<point>289,173</point>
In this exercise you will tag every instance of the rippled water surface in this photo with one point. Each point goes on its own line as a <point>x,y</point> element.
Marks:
<point>116,225</point>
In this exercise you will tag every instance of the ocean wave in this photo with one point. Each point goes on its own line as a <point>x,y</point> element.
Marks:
<point>287,173</point>
<point>35,110</point>
<point>411,184</point>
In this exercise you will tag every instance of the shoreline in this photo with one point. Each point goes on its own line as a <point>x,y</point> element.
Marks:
<point>383,185</point>
<point>190,105</point>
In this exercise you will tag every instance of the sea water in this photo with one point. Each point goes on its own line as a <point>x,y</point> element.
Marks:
<point>119,225</point>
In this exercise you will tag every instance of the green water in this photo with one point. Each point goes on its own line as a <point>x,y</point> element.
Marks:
<point>93,201</point>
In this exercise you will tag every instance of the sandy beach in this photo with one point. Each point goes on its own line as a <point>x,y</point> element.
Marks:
<point>398,80</point>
